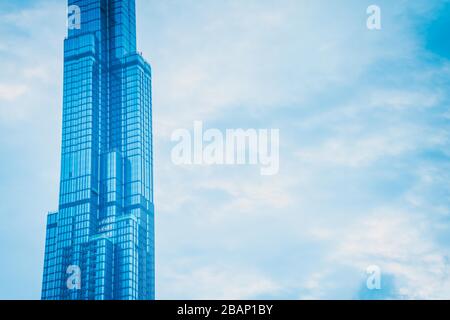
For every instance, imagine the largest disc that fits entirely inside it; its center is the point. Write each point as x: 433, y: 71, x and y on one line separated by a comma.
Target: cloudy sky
x: 364, y: 147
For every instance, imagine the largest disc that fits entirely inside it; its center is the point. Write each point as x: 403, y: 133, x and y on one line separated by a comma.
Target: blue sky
x: 364, y: 168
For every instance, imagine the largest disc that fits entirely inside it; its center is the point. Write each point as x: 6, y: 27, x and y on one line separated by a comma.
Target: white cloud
x: 10, y: 92
x: 254, y: 56
x: 30, y: 122
x: 358, y: 153
x: 401, y: 243
x: 214, y: 282
x: 12, y: 106
x: 357, y: 135
x: 405, y: 99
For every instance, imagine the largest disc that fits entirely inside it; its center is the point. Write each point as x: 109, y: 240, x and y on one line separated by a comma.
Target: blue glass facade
x: 100, y: 243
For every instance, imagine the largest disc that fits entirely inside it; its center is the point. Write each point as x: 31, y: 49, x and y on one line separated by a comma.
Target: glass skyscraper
x: 100, y: 243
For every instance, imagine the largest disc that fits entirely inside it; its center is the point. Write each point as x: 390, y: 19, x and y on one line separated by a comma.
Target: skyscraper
x: 100, y: 243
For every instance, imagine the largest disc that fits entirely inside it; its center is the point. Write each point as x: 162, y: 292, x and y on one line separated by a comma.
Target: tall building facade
x: 100, y: 242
